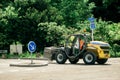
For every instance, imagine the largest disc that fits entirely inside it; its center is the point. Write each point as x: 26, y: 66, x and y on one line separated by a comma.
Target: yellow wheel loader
x: 74, y: 49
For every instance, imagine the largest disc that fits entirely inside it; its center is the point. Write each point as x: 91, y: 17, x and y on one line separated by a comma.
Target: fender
x: 98, y: 51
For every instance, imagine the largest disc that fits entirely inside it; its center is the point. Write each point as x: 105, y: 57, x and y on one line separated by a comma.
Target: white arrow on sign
x: 32, y: 46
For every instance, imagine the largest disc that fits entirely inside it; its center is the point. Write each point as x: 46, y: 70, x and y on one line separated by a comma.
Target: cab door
x: 72, y: 46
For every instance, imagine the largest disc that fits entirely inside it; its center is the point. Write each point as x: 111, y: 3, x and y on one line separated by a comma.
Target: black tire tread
x: 101, y: 61
x: 73, y: 61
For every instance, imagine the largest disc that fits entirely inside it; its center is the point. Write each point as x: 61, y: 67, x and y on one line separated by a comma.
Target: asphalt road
x: 80, y: 71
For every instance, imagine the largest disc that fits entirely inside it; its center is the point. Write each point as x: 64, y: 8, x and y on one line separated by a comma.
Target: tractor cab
x: 75, y: 45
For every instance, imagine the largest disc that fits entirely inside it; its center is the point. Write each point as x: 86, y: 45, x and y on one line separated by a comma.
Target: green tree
x: 8, y: 15
x: 74, y: 11
x: 51, y: 34
x: 41, y: 20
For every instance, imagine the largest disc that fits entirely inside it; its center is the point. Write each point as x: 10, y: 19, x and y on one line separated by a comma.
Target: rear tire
x: 101, y: 61
x: 73, y: 61
x: 60, y: 57
x: 89, y: 58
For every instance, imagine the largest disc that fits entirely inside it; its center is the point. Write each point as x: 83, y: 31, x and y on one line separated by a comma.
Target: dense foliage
x: 39, y: 20
x: 47, y: 22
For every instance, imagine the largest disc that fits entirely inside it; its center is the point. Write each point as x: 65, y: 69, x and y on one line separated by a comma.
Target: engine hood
x: 100, y: 43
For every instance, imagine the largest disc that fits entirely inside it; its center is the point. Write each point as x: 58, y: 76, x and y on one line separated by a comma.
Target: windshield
x: 69, y: 41
x: 88, y: 39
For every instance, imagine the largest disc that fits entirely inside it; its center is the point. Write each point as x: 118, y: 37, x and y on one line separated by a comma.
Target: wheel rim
x: 60, y: 57
x: 89, y: 58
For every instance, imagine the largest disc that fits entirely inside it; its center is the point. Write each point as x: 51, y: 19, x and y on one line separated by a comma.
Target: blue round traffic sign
x: 31, y: 46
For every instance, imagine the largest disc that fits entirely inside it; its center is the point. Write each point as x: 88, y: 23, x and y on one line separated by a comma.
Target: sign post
x: 92, y: 26
x: 92, y: 35
x: 31, y: 48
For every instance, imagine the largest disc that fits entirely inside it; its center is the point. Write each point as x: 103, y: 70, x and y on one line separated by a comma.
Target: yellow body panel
x: 98, y: 51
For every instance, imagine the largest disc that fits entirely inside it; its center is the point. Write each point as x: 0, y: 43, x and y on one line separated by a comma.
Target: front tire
x: 89, y: 58
x: 101, y: 61
x: 61, y: 57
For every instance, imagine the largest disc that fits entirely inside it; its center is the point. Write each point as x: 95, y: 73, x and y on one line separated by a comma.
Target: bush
x: 51, y: 34
x: 115, y: 50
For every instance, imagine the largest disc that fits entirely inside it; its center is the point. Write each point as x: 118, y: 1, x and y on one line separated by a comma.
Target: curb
x: 29, y: 65
x: 27, y: 58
